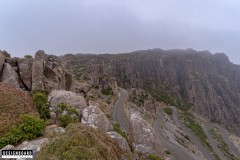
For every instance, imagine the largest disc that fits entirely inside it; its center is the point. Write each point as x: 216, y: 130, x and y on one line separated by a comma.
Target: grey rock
x: 81, y: 87
x: 145, y: 139
x: 120, y: 140
x: 94, y: 117
x: 10, y: 76
x: 34, y: 145
x: 25, y: 71
x: 70, y: 98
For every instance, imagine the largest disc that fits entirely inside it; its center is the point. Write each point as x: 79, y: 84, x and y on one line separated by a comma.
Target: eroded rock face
x: 81, y: 88
x: 120, y: 140
x: 144, y: 137
x: 70, y: 98
x: 94, y: 117
x: 10, y: 76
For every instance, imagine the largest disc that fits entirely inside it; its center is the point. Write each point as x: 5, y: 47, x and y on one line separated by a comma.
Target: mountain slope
x: 209, y: 83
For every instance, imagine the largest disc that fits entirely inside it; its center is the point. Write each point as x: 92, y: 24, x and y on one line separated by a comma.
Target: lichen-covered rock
x: 94, y: 117
x: 10, y: 76
x: 120, y: 140
x: 144, y: 137
x: 70, y: 98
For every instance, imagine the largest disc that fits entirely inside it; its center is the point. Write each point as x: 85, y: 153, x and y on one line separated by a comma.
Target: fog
x: 117, y: 26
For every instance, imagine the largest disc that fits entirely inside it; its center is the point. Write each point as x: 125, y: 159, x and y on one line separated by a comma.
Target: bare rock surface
x: 25, y: 71
x: 120, y: 140
x: 144, y: 136
x: 70, y: 98
x: 10, y: 76
x: 94, y: 117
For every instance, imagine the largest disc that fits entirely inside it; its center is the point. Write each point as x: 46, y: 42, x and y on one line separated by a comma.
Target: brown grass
x: 13, y: 103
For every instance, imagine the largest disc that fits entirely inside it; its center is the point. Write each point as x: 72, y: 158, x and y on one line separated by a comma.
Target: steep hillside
x: 208, y: 83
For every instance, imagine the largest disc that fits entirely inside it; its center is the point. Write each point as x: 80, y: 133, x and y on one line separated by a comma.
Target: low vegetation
x: 28, y: 56
x: 13, y: 103
x: 66, y: 114
x: 29, y: 127
x: 168, y: 110
x: 107, y: 91
x: 221, y: 144
x: 80, y: 142
x: 41, y: 101
x: 153, y: 157
x: 197, y: 129
x: 162, y: 96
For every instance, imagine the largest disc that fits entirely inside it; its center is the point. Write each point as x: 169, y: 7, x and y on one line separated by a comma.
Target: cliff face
x: 209, y: 83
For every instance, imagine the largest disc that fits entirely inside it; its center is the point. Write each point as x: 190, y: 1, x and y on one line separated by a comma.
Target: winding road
x: 178, y: 152
x: 119, y: 114
x: 212, y: 141
x: 206, y: 153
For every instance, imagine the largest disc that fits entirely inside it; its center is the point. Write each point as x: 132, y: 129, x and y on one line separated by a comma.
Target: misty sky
x: 116, y: 26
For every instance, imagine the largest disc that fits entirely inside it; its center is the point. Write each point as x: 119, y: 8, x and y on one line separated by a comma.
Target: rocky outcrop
x: 81, y: 88
x: 120, y: 140
x: 43, y: 72
x: 144, y: 137
x: 95, y: 118
x: 70, y: 98
x: 10, y: 76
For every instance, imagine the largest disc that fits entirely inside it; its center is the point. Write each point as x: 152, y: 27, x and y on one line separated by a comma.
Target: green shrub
x: 66, y: 114
x: 167, y: 152
x: 41, y: 101
x: 28, y: 128
x: 28, y: 56
x: 168, y: 110
x: 153, y: 157
x: 31, y: 127
x: 107, y: 91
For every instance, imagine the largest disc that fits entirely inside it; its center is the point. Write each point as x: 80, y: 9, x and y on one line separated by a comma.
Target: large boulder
x: 10, y: 76
x: 120, y: 140
x: 70, y: 98
x: 25, y: 72
x: 94, y: 117
x: 145, y: 139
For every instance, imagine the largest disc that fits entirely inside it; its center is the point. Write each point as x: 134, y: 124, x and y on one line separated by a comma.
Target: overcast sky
x: 115, y: 26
